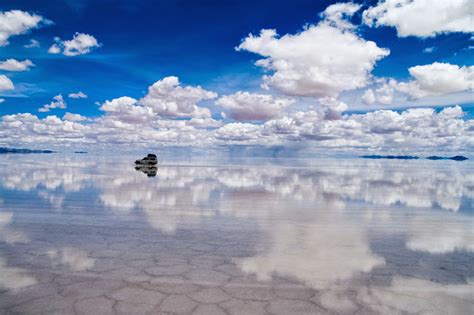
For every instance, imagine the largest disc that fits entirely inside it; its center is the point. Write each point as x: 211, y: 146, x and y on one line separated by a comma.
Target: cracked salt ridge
x: 224, y: 253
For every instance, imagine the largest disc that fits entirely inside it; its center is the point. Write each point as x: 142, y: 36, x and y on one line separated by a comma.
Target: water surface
x: 90, y: 235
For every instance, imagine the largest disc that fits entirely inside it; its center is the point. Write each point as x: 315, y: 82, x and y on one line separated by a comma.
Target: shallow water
x: 81, y: 234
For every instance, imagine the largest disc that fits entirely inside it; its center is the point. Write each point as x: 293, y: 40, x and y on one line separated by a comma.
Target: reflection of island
x: 150, y: 171
x: 22, y: 151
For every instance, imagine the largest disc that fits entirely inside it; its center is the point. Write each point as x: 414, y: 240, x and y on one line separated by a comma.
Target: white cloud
x: 368, y: 97
x: 32, y: 44
x: 385, y: 93
x: 152, y: 120
x: 15, y: 65
x: 58, y: 102
x: 247, y: 106
x: 437, y: 79
x: 126, y: 121
x: 168, y: 99
x: 414, y: 129
x: 334, y: 107
x: 429, y: 50
x: 338, y: 14
x: 73, y: 117
x: 422, y: 18
x: 18, y: 22
x: 54, y: 49
x: 5, y: 83
x: 80, y: 44
x: 204, y: 123
x: 322, y: 60
x: 126, y: 109
x: 2, y: 100
x: 238, y: 132
x: 77, y: 95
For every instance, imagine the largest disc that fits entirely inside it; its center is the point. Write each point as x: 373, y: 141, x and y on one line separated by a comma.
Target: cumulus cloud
x: 16, y: 22
x: 80, y: 44
x: 334, y: 107
x: 54, y: 49
x: 171, y: 114
x: 5, y: 83
x: 247, y: 106
x: 338, y: 14
x: 126, y: 121
x: 383, y: 94
x: 57, y: 102
x: 32, y: 44
x: 368, y: 97
x: 16, y: 65
x: 168, y: 98
x: 422, y: 18
x: 437, y: 79
x: 73, y: 117
x: 77, y: 95
x: 238, y: 132
x: 382, y: 129
x: 126, y: 109
x: 322, y: 60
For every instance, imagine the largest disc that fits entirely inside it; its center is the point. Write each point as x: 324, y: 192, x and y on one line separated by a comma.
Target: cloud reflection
x: 315, y: 222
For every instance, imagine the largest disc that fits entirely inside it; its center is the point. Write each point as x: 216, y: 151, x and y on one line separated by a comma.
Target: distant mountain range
x: 22, y: 151
x: 414, y: 157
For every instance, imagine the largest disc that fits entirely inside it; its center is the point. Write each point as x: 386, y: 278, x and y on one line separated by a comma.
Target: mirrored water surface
x: 94, y: 235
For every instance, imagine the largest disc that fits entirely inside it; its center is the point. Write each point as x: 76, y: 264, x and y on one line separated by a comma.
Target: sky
x: 394, y: 75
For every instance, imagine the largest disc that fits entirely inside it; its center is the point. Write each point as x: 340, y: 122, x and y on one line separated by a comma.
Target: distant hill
x: 455, y: 158
x: 413, y: 157
x: 391, y: 157
x: 22, y: 151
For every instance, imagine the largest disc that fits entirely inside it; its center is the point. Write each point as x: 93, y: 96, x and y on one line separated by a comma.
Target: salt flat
x: 92, y: 235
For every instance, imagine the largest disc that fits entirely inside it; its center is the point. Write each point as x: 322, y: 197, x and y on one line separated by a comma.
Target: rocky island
x: 4, y: 150
x: 414, y: 157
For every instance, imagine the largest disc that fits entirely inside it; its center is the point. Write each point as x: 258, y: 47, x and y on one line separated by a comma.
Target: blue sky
x: 141, y: 42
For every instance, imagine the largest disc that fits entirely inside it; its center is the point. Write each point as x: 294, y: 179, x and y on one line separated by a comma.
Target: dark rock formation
x: 22, y: 151
x: 391, y: 157
x: 454, y: 158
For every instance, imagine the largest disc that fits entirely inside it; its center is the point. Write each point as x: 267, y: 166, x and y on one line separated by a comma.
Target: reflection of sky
x: 316, y: 223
